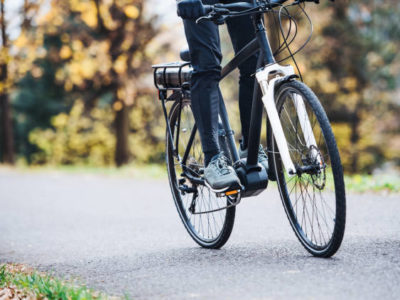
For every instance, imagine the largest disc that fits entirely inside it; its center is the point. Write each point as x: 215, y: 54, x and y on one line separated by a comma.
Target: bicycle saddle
x: 185, y: 55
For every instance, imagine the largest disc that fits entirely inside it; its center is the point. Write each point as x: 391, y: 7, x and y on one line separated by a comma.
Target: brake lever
x: 208, y: 17
x: 216, y: 18
x: 216, y: 15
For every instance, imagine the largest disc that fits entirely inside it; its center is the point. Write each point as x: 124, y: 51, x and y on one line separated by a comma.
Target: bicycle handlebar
x: 218, y: 11
x: 236, y: 7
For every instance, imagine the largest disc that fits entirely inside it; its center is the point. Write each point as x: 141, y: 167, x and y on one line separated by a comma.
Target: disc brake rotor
x: 318, y: 179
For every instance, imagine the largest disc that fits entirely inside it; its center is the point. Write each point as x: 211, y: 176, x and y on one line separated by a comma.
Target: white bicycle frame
x: 267, y: 79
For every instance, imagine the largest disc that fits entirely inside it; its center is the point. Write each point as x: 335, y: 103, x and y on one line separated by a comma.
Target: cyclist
x: 205, y: 51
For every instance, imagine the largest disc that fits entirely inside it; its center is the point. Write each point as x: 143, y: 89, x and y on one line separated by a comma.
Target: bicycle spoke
x: 206, y: 226
x: 291, y: 123
x: 309, y: 198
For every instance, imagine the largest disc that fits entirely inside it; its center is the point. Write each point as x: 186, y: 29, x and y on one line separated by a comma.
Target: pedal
x: 231, y: 193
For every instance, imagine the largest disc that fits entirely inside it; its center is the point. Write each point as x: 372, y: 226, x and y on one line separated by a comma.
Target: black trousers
x: 205, y: 50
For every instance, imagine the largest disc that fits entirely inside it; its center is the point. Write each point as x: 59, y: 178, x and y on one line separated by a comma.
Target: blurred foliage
x: 377, y: 183
x: 94, y: 51
x: 76, y: 139
x: 82, y: 92
x: 354, y: 66
x: 80, y: 138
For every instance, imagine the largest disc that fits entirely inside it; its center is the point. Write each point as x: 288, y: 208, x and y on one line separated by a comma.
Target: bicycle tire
x: 328, y: 154
x: 189, y: 221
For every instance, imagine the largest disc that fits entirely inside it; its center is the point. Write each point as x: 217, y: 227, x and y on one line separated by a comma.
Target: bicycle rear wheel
x: 315, y: 200
x: 205, y: 219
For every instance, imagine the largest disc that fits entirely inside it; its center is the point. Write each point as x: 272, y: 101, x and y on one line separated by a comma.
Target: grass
x: 354, y: 183
x: 373, y: 183
x: 23, y: 282
x: 135, y: 171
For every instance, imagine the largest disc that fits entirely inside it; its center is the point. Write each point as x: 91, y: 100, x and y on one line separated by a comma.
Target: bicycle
x: 302, y: 151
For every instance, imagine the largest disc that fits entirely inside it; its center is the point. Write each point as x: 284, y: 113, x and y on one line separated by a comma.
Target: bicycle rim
x: 315, y: 202
x: 210, y: 230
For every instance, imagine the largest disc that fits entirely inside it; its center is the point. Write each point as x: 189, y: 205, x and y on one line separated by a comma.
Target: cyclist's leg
x: 241, y: 31
x: 206, y: 56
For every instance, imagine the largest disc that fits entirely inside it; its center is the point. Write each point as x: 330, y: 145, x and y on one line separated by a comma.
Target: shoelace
x: 261, y: 153
x: 221, y: 165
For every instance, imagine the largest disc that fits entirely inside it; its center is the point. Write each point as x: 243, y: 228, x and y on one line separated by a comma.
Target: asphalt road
x: 120, y: 235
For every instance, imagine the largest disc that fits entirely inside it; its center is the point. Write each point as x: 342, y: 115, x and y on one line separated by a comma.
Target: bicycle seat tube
x: 266, y: 57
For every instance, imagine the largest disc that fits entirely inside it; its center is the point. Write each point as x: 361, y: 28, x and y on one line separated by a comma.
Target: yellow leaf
x: 132, y: 11
x: 117, y: 106
x: 60, y: 120
x: 60, y: 76
x: 350, y: 83
x: 88, y: 69
x: 65, y: 52
x: 77, y: 45
x: 120, y: 64
x: 89, y: 16
x: 68, y: 86
x: 21, y: 41
x: 36, y: 72
x: 121, y: 94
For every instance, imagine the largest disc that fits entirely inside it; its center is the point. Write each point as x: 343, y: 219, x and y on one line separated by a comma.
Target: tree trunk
x: 355, y: 138
x: 354, y: 143
x: 122, y: 135
x: 25, y: 18
x: 7, y: 142
x: 100, y: 23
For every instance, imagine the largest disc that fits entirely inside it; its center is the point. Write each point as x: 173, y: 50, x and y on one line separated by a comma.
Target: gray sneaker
x: 262, y: 156
x: 220, y: 176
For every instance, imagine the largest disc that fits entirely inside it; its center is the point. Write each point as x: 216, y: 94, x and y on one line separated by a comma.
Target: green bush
x: 77, y: 138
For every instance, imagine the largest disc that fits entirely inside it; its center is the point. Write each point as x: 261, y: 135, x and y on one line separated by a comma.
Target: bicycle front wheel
x: 314, y: 200
x: 203, y: 214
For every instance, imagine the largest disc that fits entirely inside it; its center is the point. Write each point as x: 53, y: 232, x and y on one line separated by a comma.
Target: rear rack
x: 162, y: 77
x: 171, y: 77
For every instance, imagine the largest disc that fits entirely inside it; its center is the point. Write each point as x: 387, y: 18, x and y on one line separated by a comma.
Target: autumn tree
x: 127, y: 34
x: 352, y: 67
x: 39, y: 97
x: 94, y: 51
x: 107, y: 57
x: 83, y: 91
x: 7, y: 139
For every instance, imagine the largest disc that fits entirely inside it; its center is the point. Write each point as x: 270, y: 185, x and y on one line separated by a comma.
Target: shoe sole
x: 229, y: 188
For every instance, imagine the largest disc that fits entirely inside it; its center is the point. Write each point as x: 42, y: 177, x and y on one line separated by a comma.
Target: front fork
x: 267, y: 79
